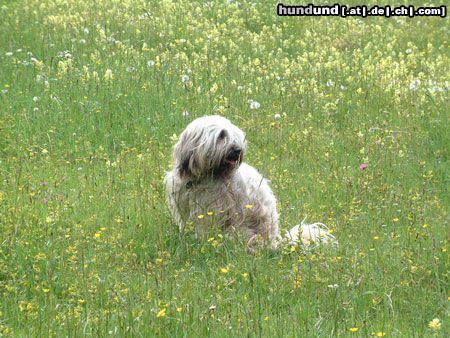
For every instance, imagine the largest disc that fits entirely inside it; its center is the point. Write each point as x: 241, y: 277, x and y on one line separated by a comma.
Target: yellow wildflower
x: 435, y: 324
x: 161, y: 313
x: 108, y: 75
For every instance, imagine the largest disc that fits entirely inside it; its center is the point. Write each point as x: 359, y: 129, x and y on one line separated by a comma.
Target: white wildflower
x: 254, y: 104
x: 414, y: 85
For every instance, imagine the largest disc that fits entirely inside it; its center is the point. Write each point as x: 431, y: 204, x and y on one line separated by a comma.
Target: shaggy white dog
x: 210, y: 185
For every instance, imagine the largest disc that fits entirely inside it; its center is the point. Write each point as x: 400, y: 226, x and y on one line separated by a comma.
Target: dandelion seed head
x: 185, y: 78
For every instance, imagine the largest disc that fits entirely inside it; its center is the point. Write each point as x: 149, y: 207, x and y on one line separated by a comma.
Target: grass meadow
x: 92, y: 97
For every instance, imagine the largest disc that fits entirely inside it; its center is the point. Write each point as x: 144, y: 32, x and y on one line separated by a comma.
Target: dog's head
x: 210, y: 146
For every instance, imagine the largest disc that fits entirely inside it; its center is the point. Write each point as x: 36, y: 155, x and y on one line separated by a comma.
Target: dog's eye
x: 222, y: 135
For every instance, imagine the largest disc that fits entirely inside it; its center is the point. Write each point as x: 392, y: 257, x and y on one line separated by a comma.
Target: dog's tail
x: 310, y: 234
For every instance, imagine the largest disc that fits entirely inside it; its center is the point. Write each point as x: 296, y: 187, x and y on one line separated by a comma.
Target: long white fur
x: 240, y: 199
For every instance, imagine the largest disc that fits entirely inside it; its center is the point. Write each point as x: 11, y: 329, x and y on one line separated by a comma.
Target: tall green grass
x: 87, y: 245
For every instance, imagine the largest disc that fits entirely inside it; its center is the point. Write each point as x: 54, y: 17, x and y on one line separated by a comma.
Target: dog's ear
x: 223, y: 133
x: 182, y: 157
x: 184, y: 164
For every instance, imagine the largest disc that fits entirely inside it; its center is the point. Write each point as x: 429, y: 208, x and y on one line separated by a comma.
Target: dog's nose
x: 236, y: 151
x: 234, y: 154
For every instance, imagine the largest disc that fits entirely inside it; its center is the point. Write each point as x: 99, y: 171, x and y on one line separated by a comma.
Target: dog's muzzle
x: 234, y: 155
